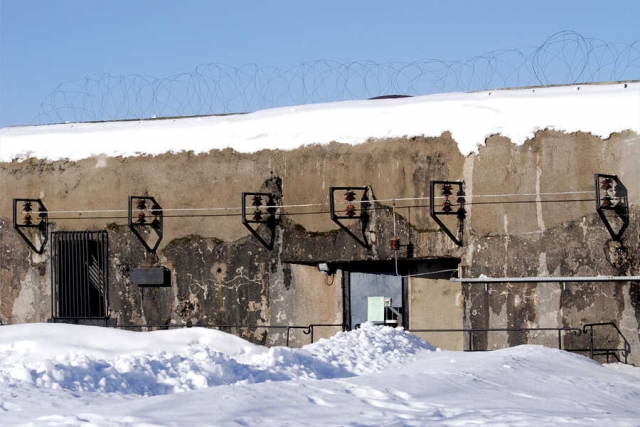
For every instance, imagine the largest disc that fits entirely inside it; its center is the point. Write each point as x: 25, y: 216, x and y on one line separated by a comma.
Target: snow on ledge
x: 599, y: 109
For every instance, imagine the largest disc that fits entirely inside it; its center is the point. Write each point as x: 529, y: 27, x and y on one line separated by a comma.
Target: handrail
x: 625, y: 351
x: 470, y: 331
x: 306, y: 329
x: 309, y: 330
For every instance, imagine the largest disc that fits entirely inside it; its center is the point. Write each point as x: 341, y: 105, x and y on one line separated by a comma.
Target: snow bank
x: 64, y: 375
x: 91, y: 359
x: 600, y: 109
x: 368, y: 349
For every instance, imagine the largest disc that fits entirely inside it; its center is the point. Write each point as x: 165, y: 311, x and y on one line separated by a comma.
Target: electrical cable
x: 289, y: 214
x: 304, y: 205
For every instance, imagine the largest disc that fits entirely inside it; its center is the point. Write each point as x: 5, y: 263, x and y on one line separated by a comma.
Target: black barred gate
x: 79, y: 276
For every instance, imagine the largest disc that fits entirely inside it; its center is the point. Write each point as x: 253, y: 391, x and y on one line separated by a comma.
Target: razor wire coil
x: 564, y: 58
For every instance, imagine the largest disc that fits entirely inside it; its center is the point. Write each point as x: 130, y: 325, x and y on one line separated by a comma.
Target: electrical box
x: 375, y: 309
x: 381, y: 310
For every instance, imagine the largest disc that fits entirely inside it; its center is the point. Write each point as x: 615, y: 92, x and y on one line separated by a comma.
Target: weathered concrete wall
x: 555, y: 235
x: 220, y: 273
x: 530, y: 212
x: 437, y: 304
x: 25, y: 285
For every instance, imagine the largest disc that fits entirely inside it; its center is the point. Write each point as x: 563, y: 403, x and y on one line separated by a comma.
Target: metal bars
x: 79, y: 275
x: 607, y: 351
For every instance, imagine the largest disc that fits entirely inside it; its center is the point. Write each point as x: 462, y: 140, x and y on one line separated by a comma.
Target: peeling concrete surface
x: 530, y: 211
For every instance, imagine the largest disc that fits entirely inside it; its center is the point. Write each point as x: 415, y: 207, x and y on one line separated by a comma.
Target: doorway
x: 376, y: 297
x: 79, y: 275
x: 368, y: 285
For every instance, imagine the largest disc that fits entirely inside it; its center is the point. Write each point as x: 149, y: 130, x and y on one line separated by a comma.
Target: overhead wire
x: 306, y: 205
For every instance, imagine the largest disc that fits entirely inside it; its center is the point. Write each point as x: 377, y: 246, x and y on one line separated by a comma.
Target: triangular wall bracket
x: 449, y: 190
x: 259, y: 216
x: 34, y: 232
x: 354, y: 210
x: 149, y: 219
x: 612, y: 204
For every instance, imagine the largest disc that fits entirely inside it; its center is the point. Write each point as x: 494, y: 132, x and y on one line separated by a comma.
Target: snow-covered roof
x: 599, y: 109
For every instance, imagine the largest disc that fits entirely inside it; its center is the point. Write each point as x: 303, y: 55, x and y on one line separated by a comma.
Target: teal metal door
x: 365, y: 286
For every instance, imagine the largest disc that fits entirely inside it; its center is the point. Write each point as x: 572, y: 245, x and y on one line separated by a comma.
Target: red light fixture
x: 141, y: 205
x: 394, y: 244
x: 350, y: 195
x: 350, y: 211
x: 141, y: 218
x: 257, y: 200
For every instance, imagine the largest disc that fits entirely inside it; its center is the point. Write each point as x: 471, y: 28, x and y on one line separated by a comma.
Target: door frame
x: 80, y: 276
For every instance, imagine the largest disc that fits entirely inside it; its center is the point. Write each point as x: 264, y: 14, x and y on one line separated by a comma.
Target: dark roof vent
x: 390, y: 97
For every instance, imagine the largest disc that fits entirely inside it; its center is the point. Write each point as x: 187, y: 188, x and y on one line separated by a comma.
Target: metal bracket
x: 260, y: 216
x: 351, y: 211
x: 146, y: 207
x: 29, y: 226
x: 448, y: 207
x: 611, y: 196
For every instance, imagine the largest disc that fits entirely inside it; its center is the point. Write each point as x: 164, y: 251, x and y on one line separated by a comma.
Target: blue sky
x: 45, y: 43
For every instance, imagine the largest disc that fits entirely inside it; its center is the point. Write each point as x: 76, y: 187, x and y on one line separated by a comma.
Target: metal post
x: 288, y: 329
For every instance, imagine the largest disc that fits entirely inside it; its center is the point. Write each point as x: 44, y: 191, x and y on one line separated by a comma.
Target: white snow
x: 67, y: 375
x: 599, y: 109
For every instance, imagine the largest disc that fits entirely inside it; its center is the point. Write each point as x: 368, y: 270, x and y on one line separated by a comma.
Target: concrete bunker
x: 530, y: 212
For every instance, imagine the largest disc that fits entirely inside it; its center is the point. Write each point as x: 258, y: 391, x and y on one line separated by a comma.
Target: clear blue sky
x: 44, y: 43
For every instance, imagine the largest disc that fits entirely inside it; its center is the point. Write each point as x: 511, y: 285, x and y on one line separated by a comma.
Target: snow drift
x: 68, y: 375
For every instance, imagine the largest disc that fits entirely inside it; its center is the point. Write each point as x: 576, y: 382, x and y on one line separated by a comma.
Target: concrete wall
x: 530, y: 212
x: 553, y: 236
x: 437, y: 304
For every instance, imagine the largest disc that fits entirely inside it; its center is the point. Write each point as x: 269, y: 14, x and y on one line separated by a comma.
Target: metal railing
x: 593, y: 350
x: 606, y: 351
x: 306, y: 329
x: 471, y: 331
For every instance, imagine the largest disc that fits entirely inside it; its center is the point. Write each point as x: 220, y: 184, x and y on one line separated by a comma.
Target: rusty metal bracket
x: 611, y: 196
x: 351, y: 211
x: 30, y: 229
x: 447, y: 190
x: 260, y: 216
x: 148, y: 219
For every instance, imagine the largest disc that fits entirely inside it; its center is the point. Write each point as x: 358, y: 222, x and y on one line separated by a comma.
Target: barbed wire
x: 564, y: 58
